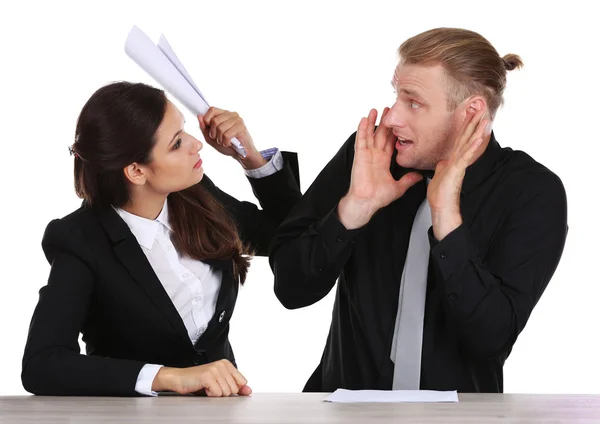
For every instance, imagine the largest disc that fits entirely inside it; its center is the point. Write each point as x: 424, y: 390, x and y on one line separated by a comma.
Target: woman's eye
x: 177, y: 144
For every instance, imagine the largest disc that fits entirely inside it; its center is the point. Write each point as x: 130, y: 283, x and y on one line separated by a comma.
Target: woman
x: 147, y: 270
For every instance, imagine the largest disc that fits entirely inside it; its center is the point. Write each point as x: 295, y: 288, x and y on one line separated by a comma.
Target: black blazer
x: 102, y: 285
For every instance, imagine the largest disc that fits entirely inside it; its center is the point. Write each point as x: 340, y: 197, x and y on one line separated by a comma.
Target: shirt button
x: 186, y: 275
x: 221, y: 316
x: 340, y: 238
x: 452, y: 296
x: 320, y: 268
x: 443, y: 255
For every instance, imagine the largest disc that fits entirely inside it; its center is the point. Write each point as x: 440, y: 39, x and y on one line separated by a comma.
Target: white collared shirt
x: 192, y: 285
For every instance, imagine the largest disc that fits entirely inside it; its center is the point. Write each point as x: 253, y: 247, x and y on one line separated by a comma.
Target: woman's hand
x: 220, y: 126
x: 215, y: 379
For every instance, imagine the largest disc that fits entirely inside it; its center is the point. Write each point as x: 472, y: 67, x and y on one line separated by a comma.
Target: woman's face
x: 175, y: 161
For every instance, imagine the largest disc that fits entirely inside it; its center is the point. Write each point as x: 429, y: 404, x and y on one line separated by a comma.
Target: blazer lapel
x: 133, y: 259
x: 225, y: 302
x: 229, y: 288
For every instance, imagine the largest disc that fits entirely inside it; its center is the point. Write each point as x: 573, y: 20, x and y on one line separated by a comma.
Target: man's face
x: 420, y: 118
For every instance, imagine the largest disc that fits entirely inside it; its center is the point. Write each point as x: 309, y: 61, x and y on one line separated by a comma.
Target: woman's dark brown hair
x: 116, y: 127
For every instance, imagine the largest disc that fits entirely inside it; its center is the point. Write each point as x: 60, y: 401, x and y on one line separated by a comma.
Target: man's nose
x: 395, y: 117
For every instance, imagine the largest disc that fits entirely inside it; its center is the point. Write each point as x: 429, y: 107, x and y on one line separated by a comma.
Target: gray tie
x: 408, y: 333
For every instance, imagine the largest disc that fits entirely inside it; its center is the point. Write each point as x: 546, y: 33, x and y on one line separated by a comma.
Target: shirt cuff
x: 451, y: 256
x: 336, y: 237
x: 274, y: 164
x: 143, y: 385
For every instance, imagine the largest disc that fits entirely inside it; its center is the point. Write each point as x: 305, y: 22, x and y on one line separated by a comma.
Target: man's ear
x: 475, y: 103
x: 135, y: 174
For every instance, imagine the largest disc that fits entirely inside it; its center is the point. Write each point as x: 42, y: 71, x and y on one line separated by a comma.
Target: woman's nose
x: 197, y: 146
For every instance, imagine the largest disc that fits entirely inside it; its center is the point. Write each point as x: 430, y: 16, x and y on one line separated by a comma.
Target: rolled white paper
x: 161, y: 63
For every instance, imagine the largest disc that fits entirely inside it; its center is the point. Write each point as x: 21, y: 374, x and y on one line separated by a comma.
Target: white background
x: 301, y: 74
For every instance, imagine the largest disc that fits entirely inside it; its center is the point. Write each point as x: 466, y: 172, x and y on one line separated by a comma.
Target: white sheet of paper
x: 161, y: 63
x: 168, y: 51
x: 357, y: 396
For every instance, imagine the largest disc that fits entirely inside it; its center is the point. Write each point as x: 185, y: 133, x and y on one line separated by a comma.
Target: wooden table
x: 266, y: 408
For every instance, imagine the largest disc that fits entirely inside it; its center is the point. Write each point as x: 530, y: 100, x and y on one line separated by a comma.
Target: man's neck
x: 479, y: 152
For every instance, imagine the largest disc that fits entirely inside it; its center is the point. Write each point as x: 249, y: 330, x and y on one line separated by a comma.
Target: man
x: 443, y: 241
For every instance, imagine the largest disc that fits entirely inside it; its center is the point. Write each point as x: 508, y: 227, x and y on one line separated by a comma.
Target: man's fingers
x: 371, y: 127
x: 361, y: 134
x: 471, y: 123
x: 381, y: 134
x: 479, y: 132
x: 390, y: 141
x: 406, y: 182
x: 467, y: 158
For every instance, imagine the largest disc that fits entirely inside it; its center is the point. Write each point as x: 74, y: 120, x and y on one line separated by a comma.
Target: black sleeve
x: 52, y: 363
x: 276, y: 193
x: 489, y: 299
x: 312, y: 246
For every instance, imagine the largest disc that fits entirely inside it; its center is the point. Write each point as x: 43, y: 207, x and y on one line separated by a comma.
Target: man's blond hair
x: 472, y: 65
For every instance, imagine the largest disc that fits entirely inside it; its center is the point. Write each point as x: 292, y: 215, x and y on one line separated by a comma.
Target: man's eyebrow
x: 407, y: 91
x: 410, y: 92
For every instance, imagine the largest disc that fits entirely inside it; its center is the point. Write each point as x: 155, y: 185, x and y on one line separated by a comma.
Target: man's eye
x: 414, y: 105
